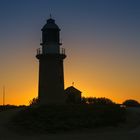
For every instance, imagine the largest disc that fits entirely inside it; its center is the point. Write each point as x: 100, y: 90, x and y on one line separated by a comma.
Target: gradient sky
x: 101, y: 38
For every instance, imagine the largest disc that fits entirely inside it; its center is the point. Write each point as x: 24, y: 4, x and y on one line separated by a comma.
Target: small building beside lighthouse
x: 51, y: 73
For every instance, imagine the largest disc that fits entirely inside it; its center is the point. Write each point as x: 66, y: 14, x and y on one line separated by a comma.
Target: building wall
x: 51, y: 79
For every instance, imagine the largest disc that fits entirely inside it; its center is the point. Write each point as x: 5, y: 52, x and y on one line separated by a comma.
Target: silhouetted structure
x: 73, y: 95
x: 51, y: 56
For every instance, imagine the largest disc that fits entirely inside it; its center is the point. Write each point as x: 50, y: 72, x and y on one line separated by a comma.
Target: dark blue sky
x: 101, y: 18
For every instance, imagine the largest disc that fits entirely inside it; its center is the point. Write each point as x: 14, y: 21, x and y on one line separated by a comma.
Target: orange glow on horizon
x: 98, y: 72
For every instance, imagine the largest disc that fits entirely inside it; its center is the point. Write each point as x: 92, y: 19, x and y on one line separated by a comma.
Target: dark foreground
x: 130, y: 130
x: 59, y: 119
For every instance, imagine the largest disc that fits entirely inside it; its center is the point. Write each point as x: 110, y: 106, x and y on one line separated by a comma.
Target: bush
x: 7, y: 107
x: 52, y: 119
x: 33, y: 102
x: 131, y: 103
x: 97, y: 101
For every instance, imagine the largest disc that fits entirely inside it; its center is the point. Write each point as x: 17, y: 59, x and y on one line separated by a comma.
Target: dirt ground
x: 128, y: 131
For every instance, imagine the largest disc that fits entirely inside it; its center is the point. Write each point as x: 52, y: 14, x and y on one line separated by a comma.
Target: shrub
x: 50, y: 119
x: 33, y: 102
x: 97, y: 101
x: 131, y: 103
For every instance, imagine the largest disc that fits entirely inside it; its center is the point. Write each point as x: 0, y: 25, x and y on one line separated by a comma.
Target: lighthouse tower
x: 51, y: 75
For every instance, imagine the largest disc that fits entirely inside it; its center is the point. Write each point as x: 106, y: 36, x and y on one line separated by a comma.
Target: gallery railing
x: 40, y: 51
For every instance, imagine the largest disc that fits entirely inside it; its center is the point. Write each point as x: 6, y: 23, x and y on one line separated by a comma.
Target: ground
x: 128, y: 131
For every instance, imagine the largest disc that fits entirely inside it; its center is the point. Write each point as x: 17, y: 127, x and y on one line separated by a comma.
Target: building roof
x: 72, y: 89
x: 50, y: 25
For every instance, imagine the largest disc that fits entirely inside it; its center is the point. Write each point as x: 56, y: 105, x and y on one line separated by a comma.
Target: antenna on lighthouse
x: 50, y: 15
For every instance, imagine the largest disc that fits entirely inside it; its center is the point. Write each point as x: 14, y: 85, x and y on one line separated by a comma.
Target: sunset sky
x: 101, y: 38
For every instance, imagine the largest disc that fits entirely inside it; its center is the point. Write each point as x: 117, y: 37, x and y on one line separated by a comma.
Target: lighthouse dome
x: 50, y: 25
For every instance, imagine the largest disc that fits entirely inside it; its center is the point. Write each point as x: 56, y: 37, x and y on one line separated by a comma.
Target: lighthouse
x: 51, y: 73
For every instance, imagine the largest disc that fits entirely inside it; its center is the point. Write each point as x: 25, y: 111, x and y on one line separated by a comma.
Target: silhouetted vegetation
x: 97, y: 101
x: 7, y: 107
x: 33, y: 102
x: 131, y: 103
x: 52, y: 119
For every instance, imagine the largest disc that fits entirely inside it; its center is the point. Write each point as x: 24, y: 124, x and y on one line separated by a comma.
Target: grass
x: 7, y: 107
x: 53, y: 119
